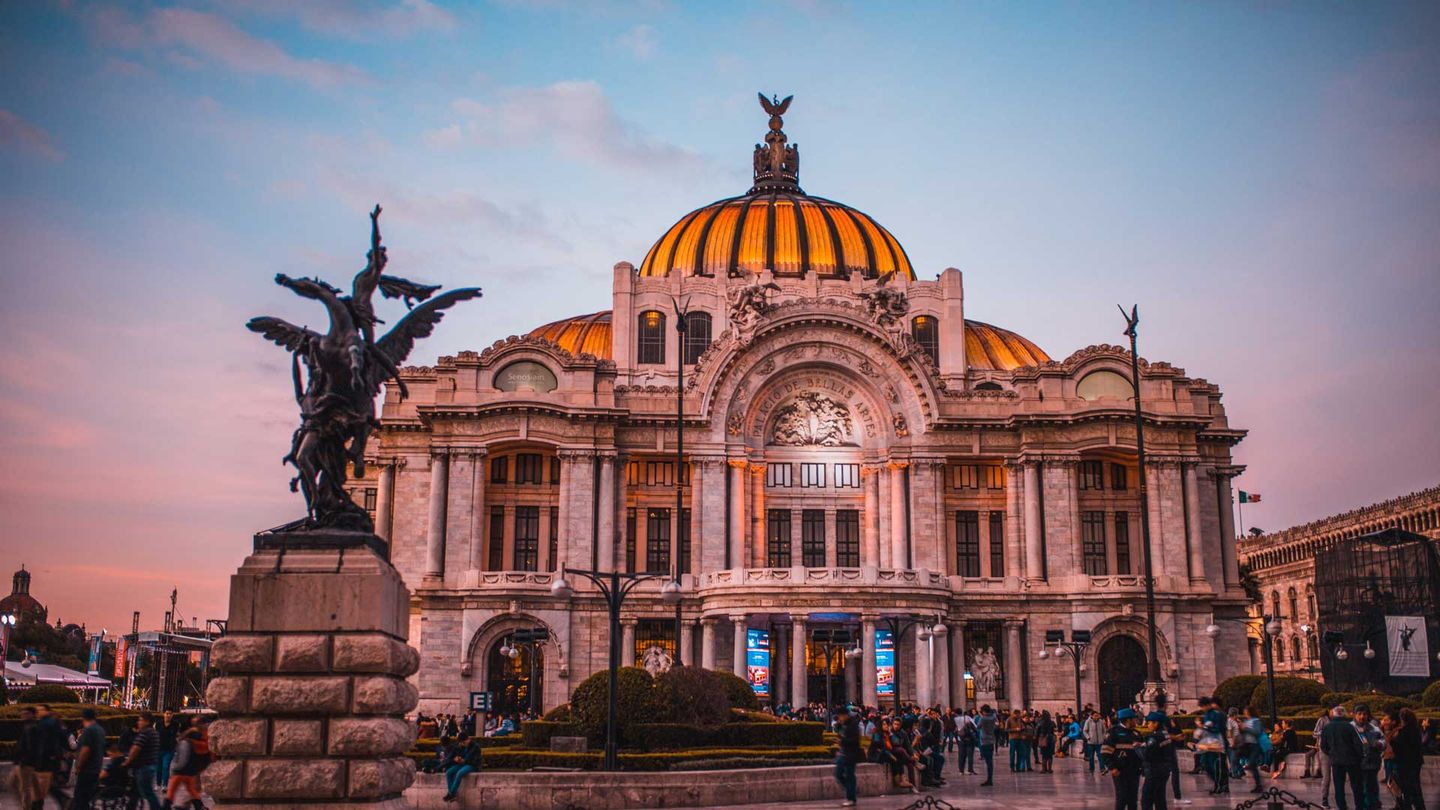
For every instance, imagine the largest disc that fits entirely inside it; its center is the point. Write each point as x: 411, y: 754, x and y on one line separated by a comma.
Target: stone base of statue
x: 312, y: 697
x: 1152, y: 697
x: 986, y: 699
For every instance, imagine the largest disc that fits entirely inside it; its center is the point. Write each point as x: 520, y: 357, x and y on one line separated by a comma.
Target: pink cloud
x: 353, y: 19
x: 17, y: 133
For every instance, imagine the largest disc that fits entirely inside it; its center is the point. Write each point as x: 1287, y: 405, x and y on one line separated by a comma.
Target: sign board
x: 1409, y: 646
x: 122, y: 651
x: 94, y: 667
x: 757, y: 661
x: 482, y: 701
x: 884, y: 663
x: 526, y: 375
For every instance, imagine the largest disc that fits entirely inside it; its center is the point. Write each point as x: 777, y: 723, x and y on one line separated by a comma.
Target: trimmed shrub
x: 684, y: 736
x: 738, y: 691
x: 1295, y: 713
x: 520, y: 760
x: 1288, y: 692
x: 115, y: 721
x: 537, y: 733
x: 752, y: 716
x: 691, y: 695
x: 1430, y: 698
x: 1236, y: 691
x: 559, y: 714
x: 1333, y: 699
x: 635, y: 700
x: 1379, y: 703
x: 48, y: 693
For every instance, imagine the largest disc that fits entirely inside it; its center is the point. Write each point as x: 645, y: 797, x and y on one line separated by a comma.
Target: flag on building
x: 1249, y: 497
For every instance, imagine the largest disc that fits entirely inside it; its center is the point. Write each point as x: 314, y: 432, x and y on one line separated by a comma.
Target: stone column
x: 707, y: 530
x: 927, y: 534
x: 739, y: 483
x: 1076, y: 544
x: 707, y: 643
x: 898, y: 556
x: 924, y: 671
x: 460, y: 514
x: 627, y: 642
x: 799, y: 682
x: 313, y: 696
x: 687, y: 641
x: 385, y: 498
x: 435, y: 533
x: 479, y: 516
x: 606, y: 534
x: 779, y: 675
x: 1034, y: 562
x: 867, y: 666
x: 738, y: 645
x: 957, y: 665
x: 577, y: 482
x: 940, y: 687
x: 1227, y: 528
x: 757, y: 516
x: 622, y: 497
x: 1014, y: 664
x: 871, y: 552
x: 1194, y: 537
x: 1014, y: 535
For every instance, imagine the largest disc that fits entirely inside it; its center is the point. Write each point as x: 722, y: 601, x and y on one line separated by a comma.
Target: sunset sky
x: 1264, y: 179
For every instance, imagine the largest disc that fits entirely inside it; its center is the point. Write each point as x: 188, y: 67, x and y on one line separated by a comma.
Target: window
x: 684, y: 550
x: 1294, y: 600
x: 652, y: 633
x: 555, y: 469
x: 997, y: 544
x: 967, y: 543
x: 847, y: 475
x: 994, y: 476
x: 630, y: 539
x: 554, y: 537
x: 496, y: 559
x: 777, y: 538
x: 926, y: 331
x: 989, y: 386
x: 1310, y: 604
x: 1092, y: 475
x: 965, y: 476
x: 697, y: 336
x: 1312, y: 646
x: 650, y: 338
x: 654, y: 473
x: 1122, y: 542
x: 1092, y: 543
x: 371, y: 497
x: 527, y: 538
x: 657, y: 541
x: 812, y: 475
x: 1275, y: 604
x: 499, y: 469
x: 1119, y: 477
x: 812, y: 538
x: 777, y: 475
x: 1279, y: 651
x: 1295, y: 649
x: 1104, y: 385
x: 847, y: 538
x: 528, y: 468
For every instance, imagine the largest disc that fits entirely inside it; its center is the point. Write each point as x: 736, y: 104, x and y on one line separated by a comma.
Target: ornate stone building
x: 1283, y: 563
x: 855, y: 450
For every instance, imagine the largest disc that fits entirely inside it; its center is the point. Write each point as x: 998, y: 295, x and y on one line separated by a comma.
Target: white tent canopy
x: 17, y: 675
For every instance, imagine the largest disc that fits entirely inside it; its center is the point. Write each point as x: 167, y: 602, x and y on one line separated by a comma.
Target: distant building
x: 20, y: 603
x: 1284, y: 564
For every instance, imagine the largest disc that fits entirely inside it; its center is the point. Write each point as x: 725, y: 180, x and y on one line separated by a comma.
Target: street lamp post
x: 1075, y: 648
x: 7, y: 623
x: 831, y: 642
x: 1269, y: 630
x: 1155, y: 685
x: 897, y: 625
x: 682, y: 310
x: 528, y: 640
x: 614, y: 587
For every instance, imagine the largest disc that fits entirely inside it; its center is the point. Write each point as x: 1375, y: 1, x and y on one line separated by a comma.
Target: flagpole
x: 1240, y: 508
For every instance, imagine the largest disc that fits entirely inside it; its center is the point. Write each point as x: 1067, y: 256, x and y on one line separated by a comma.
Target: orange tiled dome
x: 986, y: 347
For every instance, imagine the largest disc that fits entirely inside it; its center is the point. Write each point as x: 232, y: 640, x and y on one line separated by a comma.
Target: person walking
x: 1120, y: 753
x: 1092, y: 733
x: 1045, y: 742
x: 143, y: 757
x: 169, y: 729
x: 1341, y: 743
x: 1407, y: 744
x: 50, y: 747
x: 1250, y: 753
x: 849, y: 754
x: 985, y: 727
x: 965, y: 730
x: 89, y: 757
x: 192, y: 756
x: 1372, y: 748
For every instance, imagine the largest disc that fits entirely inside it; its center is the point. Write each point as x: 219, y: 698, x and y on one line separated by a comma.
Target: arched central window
x: 1294, y: 601
x: 650, y: 338
x: 697, y: 336
x: 926, y: 331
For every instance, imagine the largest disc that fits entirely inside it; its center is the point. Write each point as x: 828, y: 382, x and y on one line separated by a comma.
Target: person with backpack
x: 192, y: 756
x: 965, y: 730
x: 1372, y: 747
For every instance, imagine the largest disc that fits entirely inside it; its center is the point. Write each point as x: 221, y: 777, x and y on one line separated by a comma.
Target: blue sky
x: 1264, y: 179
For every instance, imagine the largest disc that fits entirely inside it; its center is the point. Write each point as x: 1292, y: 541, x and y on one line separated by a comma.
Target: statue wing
x: 766, y: 105
x: 282, y: 333
x: 395, y: 287
x: 784, y: 105
x: 398, y: 342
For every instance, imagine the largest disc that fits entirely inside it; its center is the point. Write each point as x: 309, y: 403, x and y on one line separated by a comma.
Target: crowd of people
x: 155, y: 754
x: 448, y: 726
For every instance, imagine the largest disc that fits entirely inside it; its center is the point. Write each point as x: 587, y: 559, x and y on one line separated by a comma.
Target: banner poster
x: 94, y: 668
x: 1409, y: 646
x: 757, y: 660
x: 121, y: 650
x: 884, y: 663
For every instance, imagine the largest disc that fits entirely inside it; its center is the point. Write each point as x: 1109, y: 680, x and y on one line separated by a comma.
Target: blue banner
x: 884, y: 663
x: 757, y: 661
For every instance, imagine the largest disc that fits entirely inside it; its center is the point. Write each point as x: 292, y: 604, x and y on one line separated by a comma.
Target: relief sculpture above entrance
x: 813, y: 420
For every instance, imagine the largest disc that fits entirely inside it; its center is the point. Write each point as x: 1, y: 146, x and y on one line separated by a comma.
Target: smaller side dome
x: 991, y: 348
x: 582, y: 334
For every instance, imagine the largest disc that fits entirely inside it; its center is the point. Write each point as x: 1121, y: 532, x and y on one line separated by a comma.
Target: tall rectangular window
x: 651, y: 633
x: 812, y: 475
x: 555, y: 469
x: 650, y: 338
x: 926, y: 331
x: 967, y: 543
x: 1119, y: 477
x: 777, y: 538
x: 499, y: 469
x: 684, y: 543
x: 812, y: 538
x: 997, y: 544
x: 527, y: 538
x: 777, y: 474
x: 630, y: 530
x: 847, y: 475
x: 1092, y: 475
x: 372, y: 497
x: 995, y: 476
x: 697, y: 336
x: 1122, y: 542
x: 554, y: 537
x: 965, y: 476
x: 847, y: 538
x: 657, y: 541
x: 1092, y: 543
x: 495, y: 560
x: 528, y: 468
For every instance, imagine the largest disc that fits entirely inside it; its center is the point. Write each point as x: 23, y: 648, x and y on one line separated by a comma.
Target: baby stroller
x: 117, y: 789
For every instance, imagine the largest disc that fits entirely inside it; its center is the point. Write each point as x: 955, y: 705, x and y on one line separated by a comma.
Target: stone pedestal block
x: 312, y: 691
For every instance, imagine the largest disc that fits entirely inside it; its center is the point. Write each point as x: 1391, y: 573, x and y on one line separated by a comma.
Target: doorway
x: 1121, y: 661
x: 518, y: 681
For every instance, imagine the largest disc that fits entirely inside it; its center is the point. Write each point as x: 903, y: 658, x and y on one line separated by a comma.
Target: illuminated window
x: 697, y: 336
x: 847, y: 475
x: 652, y: 633
x: 812, y: 475
x: 650, y: 338
x: 812, y: 538
x: 777, y: 475
x: 994, y: 476
x: 847, y: 538
x: 1122, y: 542
x: 926, y: 331
x: 965, y: 476
x: 967, y: 543
x: 527, y: 538
x: 1092, y: 475
x: 997, y: 544
x: 554, y: 537
x: 499, y: 469
x: 777, y: 538
x: 657, y: 541
x: 528, y: 468
x: 1092, y: 543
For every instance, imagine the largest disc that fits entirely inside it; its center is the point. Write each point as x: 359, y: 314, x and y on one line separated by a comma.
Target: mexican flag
x: 1249, y: 497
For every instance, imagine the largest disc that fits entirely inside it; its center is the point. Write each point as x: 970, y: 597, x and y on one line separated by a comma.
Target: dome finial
x: 777, y: 165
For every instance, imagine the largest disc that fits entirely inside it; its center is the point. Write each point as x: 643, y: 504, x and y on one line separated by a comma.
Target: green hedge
x: 1333, y: 699
x: 673, y: 736
x: 48, y: 693
x: 115, y: 721
x: 537, y: 733
x: 427, y: 745
x: 1430, y: 698
x: 1288, y: 692
x: 691, y: 695
x: 635, y: 698
x: 738, y: 691
x: 1379, y: 704
x: 1236, y: 691
x: 526, y: 759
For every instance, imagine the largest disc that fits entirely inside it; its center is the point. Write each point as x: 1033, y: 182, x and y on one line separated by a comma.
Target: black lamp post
x: 897, y: 625
x: 1075, y: 648
x: 1132, y: 323
x: 614, y: 586
x: 529, y: 640
x: 1269, y: 630
x: 682, y: 310
x: 832, y: 641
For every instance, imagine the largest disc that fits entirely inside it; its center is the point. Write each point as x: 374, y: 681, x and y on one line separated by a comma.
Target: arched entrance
x: 1121, y: 661
x: 518, y: 680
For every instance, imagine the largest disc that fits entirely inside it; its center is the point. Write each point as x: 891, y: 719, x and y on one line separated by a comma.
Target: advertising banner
x: 121, y: 651
x: 1409, y: 646
x: 884, y: 663
x: 757, y: 660
x: 94, y: 668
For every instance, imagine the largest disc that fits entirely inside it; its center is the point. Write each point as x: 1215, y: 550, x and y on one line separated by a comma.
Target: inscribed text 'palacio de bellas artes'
x: 855, y: 450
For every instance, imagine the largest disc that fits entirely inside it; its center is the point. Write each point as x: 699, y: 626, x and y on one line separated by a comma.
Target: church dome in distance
x: 777, y: 226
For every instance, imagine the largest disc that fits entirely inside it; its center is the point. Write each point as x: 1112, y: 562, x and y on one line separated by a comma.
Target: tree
x: 1251, y: 584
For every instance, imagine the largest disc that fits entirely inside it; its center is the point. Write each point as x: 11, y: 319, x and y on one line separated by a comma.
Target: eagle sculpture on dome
x: 775, y: 106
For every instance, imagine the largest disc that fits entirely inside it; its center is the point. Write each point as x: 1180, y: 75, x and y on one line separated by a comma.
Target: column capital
x: 707, y: 462
x: 799, y: 618
x: 741, y: 464
x: 897, y: 464
x: 709, y: 621
x: 630, y: 622
x: 576, y: 454
x: 439, y: 452
x: 870, y: 468
x: 1163, y: 462
x: 869, y: 618
x: 1014, y: 624
x: 739, y: 619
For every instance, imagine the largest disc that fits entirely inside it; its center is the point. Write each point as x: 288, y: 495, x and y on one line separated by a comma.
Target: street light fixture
x: 1270, y: 626
x: 1075, y: 648
x: 897, y: 625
